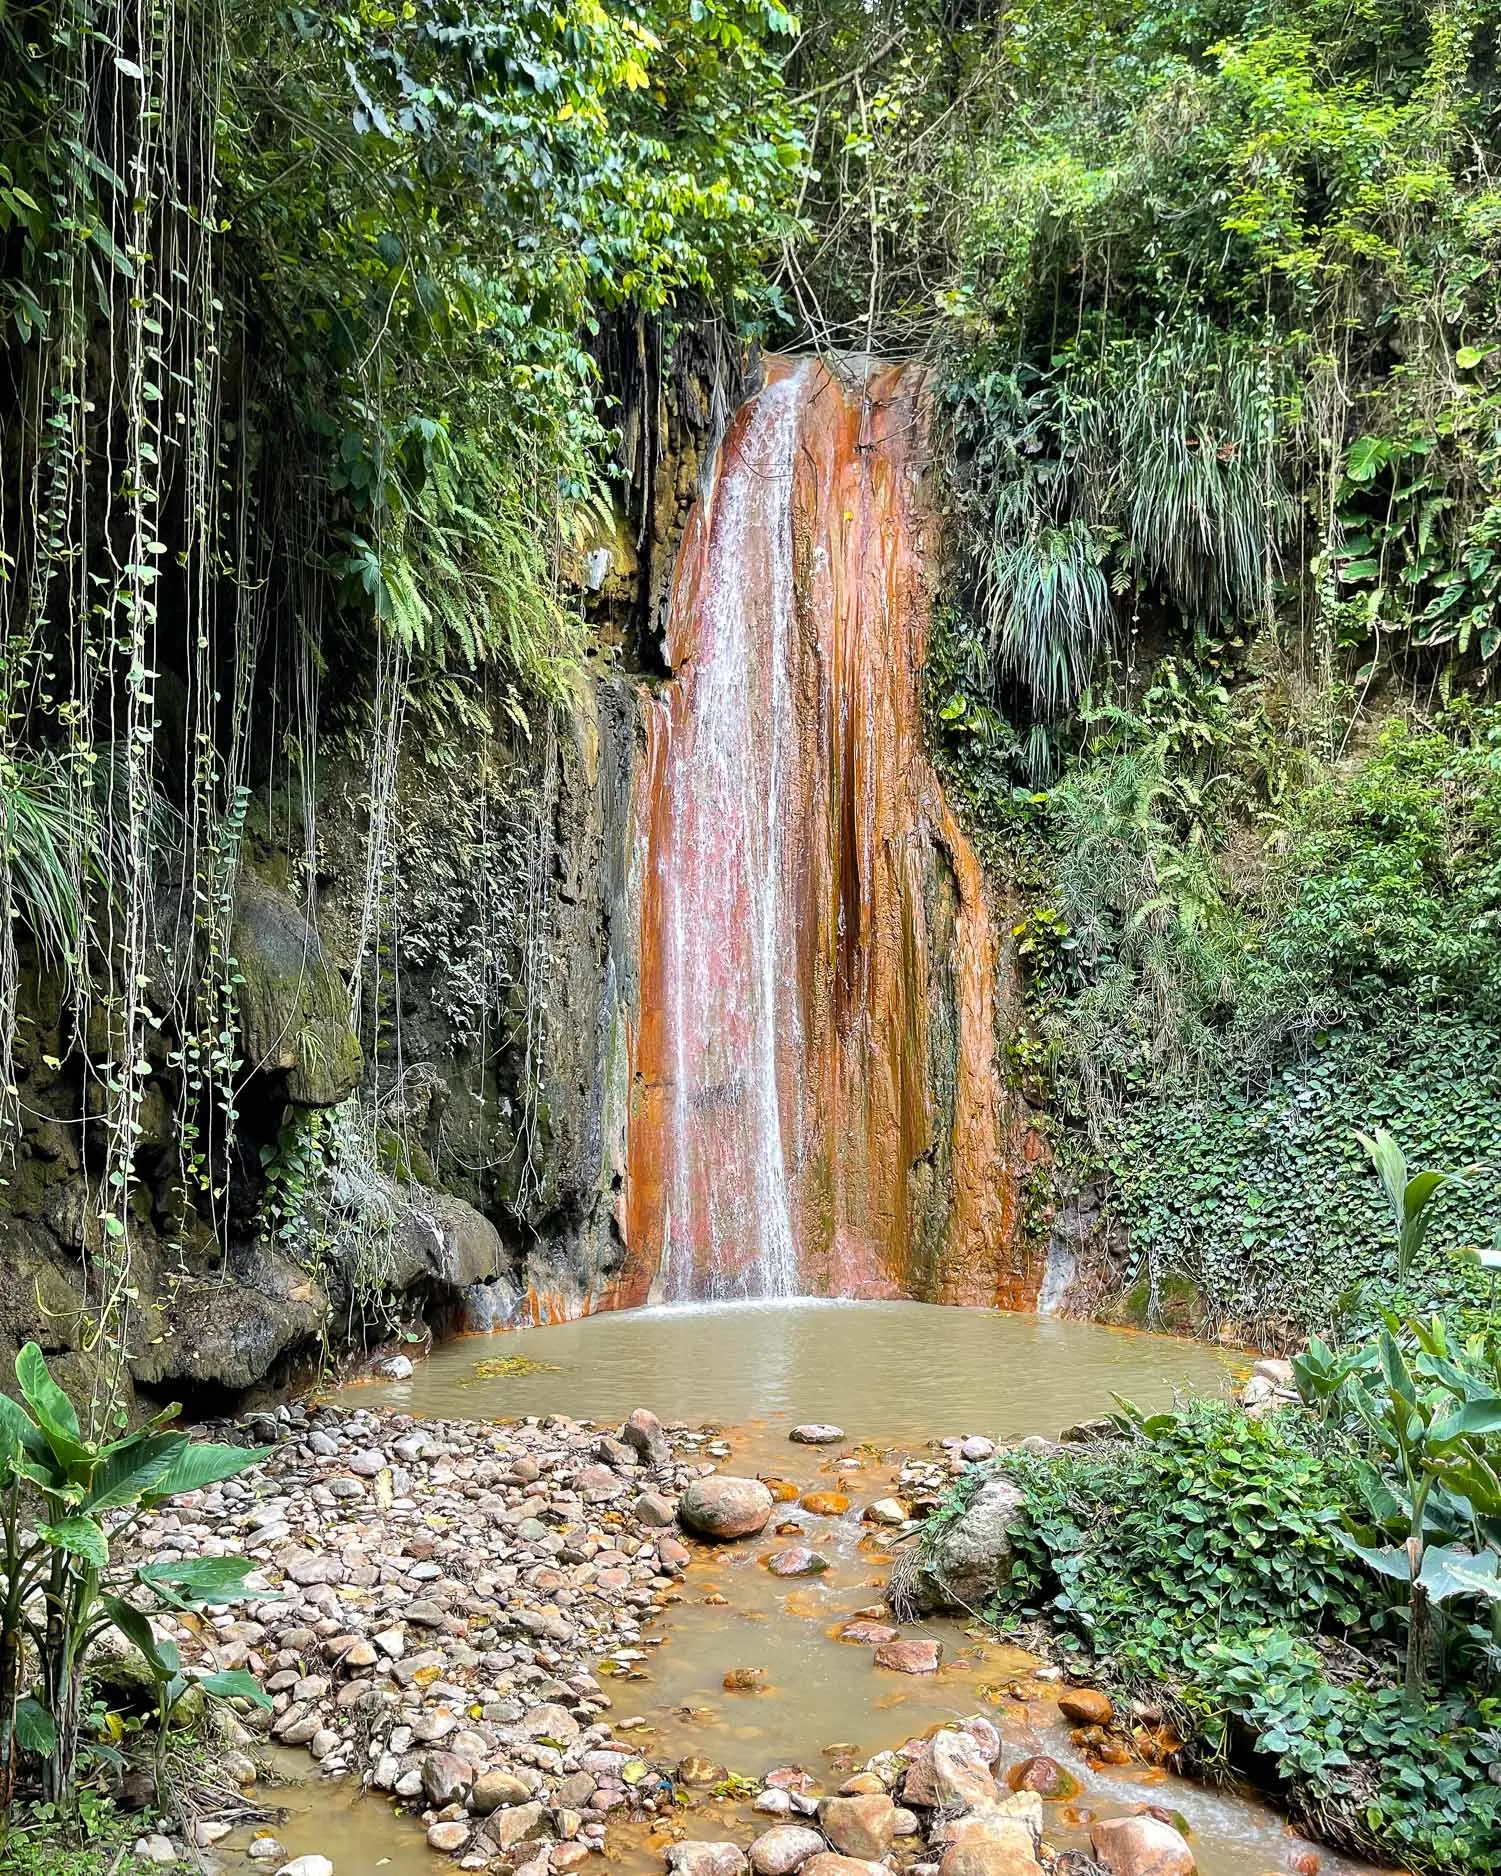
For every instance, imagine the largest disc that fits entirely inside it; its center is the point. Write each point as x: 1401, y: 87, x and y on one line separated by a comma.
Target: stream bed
x: 895, y: 1377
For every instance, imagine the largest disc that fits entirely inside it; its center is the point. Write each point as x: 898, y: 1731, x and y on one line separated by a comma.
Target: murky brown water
x: 894, y: 1376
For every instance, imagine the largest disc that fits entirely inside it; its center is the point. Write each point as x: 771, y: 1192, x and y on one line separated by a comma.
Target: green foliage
x: 65, y: 1496
x: 1411, y: 1200
x: 41, y: 843
x: 435, y: 208
x: 1265, y: 1198
x: 1222, y: 1027
x: 1390, y: 878
x: 1200, y: 1557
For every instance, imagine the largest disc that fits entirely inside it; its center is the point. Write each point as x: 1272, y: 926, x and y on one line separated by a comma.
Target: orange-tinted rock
x: 818, y: 964
x: 799, y: 1560
x: 860, y: 1826
x: 873, y: 1634
x: 1045, y: 1776
x: 910, y: 1657
x: 826, y: 1504
x: 783, y: 1491
x: 1141, y: 1846
x: 1087, y: 1706
x: 745, y: 1680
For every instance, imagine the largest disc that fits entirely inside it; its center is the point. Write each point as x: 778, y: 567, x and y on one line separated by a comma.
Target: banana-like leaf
x: 1450, y: 1571
x: 18, y: 1427
x: 80, y: 1537
x: 133, y: 1468
x: 233, y: 1684
x: 1479, y: 1416
x: 36, y: 1730
x: 136, y: 1628
x: 53, y: 1409
x: 199, y: 1464
x: 199, y: 1581
x: 1390, y: 1560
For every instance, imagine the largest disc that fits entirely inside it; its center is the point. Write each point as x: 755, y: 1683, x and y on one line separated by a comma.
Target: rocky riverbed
x: 443, y: 1601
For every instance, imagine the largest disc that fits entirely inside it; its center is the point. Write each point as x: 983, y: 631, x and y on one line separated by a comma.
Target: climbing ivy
x: 1266, y: 1201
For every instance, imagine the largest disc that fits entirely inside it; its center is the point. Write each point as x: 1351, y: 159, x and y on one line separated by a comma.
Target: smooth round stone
x: 783, y: 1849
x: 1087, y: 1706
x: 816, y: 1433
x: 724, y: 1508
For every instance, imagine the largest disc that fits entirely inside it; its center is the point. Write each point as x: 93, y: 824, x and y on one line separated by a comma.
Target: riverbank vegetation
x: 1216, y: 345
x: 1246, y: 1582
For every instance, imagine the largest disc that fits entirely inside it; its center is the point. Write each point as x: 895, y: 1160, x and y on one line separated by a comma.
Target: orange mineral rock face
x: 816, y: 1102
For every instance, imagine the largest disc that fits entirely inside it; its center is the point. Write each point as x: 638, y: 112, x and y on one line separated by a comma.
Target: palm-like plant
x: 64, y: 1497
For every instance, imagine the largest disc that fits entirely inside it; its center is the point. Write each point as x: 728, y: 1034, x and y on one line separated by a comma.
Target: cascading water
x: 815, y: 1103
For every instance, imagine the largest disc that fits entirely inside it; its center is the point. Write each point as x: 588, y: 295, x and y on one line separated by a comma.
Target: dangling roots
x: 901, y: 1589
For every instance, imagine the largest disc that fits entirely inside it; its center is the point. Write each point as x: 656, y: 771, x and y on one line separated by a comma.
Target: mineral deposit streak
x: 816, y: 1105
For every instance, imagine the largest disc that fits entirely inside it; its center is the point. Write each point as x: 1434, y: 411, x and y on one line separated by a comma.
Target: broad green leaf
x: 36, y: 1730
x: 1391, y: 1560
x: 200, y: 1580
x: 199, y: 1463
x: 54, y: 1411
x: 1449, y: 1571
x: 136, y: 1628
x: 1473, y: 1418
x: 80, y: 1537
x: 17, y: 1425
x: 131, y: 1469
x: 235, y: 1683
x: 1367, y: 455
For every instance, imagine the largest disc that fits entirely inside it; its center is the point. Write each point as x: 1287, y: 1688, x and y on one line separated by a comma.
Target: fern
x: 46, y: 843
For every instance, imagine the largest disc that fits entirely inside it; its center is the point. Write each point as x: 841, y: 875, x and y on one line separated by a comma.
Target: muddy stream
x: 895, y: 1377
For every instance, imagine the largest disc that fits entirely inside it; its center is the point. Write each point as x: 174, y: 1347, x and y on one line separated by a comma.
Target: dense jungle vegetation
x: 322, y: 331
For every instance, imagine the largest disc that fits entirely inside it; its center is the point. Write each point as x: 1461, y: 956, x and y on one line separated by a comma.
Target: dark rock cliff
x: 427, y: 1128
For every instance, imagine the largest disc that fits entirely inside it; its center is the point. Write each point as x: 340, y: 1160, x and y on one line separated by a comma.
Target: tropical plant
x: 1411, y: 1200
x: 45, y: 852
x: 1433, y: 1481
x: 66, y: 1496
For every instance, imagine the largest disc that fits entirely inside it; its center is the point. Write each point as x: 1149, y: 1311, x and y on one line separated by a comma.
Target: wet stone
x: 797, y: 1560
x: 909, y: 1657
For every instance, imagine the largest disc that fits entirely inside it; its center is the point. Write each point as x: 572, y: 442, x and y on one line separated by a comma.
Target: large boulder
x: 293, y: 1005
x: 230, y: 1332
x: 969, y: 1558
x: 722, y: 1507
x: 439, y: 1239
x: 1141, y: 1846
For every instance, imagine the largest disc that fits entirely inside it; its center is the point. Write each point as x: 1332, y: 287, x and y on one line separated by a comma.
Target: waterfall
x: 816, y: 1106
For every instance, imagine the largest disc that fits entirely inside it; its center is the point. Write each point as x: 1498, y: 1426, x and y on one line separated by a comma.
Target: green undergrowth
x: 1263, y: 1201
x: 1200, y: 1565
x: 38, y: 1842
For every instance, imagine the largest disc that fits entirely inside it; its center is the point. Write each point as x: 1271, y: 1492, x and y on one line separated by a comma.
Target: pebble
x: 265, y: 1849
x: 434, y: 1602
x: 307, y: 1866
x: 816, y: 1433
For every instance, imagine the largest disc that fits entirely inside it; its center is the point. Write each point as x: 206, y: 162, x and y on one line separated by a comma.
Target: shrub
x: 1201, y: 1557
